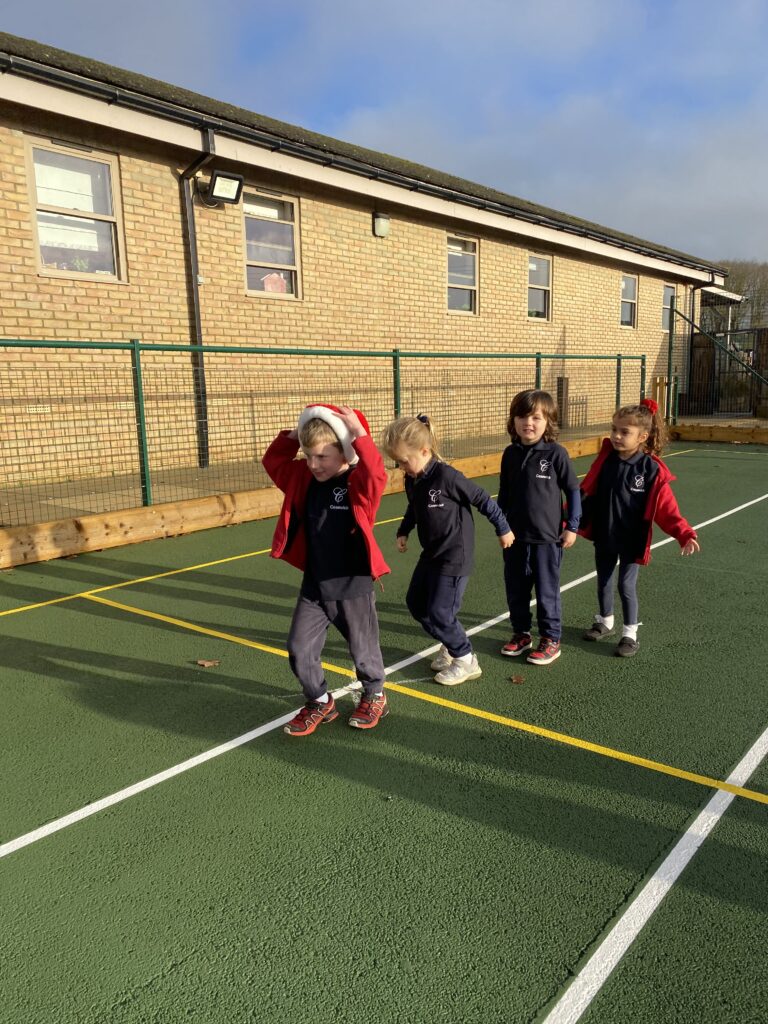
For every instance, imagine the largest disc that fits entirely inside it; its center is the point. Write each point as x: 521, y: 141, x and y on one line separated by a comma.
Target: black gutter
x: 181, y: 115
x: 200, y: 390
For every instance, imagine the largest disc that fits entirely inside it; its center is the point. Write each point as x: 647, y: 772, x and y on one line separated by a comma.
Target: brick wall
x: 356, y: 291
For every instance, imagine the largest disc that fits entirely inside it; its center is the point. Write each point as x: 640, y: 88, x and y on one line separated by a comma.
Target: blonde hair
x: 526, y: 402
x: 414, y: 432
x: 317, y: 431
x: 641, y: 416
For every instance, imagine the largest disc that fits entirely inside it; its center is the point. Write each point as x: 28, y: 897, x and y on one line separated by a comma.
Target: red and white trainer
x: 547, y: 652
x: 519, y: 644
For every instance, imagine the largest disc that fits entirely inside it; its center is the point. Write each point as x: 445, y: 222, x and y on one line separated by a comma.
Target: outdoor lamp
x: 223, y: 187
x: 381, y: 225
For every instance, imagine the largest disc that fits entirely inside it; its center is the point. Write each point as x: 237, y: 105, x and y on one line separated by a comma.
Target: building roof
x: 39, y: 61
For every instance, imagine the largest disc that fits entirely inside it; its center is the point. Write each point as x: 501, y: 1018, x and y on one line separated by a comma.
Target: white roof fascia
x: 721, y: 293
x: 55, y: 100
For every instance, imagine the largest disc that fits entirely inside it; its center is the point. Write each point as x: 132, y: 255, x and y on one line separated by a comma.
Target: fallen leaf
x: 516, y: 679
x: 204, y: 663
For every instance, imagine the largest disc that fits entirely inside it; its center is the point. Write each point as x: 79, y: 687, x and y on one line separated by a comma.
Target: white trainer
x: 459, y: 671
x: 442, y: 659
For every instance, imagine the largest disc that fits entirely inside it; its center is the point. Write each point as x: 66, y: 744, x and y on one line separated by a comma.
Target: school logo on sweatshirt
x: 639, y: 484
x: 339, y: 496
x: 434, y: 498
x: 544, y: 467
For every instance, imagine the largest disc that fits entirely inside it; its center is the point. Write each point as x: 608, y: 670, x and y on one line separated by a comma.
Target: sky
x: 649, y: 118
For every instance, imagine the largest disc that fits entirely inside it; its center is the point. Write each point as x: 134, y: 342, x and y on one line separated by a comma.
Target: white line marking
x: 139, y: 787
x: 593, y: 975
x: 153, y: 780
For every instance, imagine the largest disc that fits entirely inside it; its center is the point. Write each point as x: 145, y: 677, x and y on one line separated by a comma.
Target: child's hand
x: 691, y: 547
x: 507, y: 539
x: 293, y: 434
x: 348, y: 414
x: 567, y: 539
x: 402, y: 544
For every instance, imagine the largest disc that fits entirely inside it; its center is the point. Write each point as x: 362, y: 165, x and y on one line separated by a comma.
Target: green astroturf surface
x: 439, y: 868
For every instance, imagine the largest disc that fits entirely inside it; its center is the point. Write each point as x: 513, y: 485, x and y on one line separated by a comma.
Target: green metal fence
x: 92, y: 427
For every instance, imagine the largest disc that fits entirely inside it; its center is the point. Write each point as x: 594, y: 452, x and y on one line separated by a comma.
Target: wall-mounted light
x: 222, y: 188
x: 381, y: 225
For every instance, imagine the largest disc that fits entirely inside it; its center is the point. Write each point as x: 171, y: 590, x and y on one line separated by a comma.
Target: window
x: 628, y: 301
x: 539, y: 287
x: 270, y: 245
x: 666, y: 310
x: 79, y: 233
x: 462, y: 275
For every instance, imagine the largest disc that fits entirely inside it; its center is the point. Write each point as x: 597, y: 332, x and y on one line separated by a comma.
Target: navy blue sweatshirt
x: 440, y: 504
x: 620, y: 502
x: 531, y: 486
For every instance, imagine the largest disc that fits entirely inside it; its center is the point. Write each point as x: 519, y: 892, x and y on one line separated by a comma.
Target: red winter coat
x: 660, y: 508
x: 365, y: 485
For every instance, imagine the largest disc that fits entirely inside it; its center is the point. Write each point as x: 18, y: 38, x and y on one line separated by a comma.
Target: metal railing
x: 717, y: 376
x: 98, y: 426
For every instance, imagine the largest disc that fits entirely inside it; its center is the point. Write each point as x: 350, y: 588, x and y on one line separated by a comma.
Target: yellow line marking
x: 489, y: 716
x: 130, y: 583
x: 595, y: 748
x: 182, y: 624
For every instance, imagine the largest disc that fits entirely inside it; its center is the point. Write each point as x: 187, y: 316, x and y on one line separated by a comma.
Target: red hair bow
x: 650, y: 405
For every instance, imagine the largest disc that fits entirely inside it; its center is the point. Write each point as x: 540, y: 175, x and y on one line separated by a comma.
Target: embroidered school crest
x: 339, y: 494
x: 638, y: 484
x: 434, y: 495
x: 544, y: 465
x: 434, y: 499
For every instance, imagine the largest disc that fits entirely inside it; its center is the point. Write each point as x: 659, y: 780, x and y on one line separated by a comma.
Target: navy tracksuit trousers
x: 356, y: 620
x: 528, y: 567
x: 434, y: 600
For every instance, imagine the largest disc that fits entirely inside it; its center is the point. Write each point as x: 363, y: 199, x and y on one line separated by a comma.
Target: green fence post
x: 642, y: 376
x: 141, y: 423
x: 677, y: 399
x: 538, y: 371
x: 668, y: 409
x: 396, y: 380
x: 618, y: 380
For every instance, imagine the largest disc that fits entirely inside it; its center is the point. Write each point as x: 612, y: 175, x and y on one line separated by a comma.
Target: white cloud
x: 646, y: 116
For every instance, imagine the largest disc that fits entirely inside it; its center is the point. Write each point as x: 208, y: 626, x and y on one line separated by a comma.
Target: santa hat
x: 330, y: 414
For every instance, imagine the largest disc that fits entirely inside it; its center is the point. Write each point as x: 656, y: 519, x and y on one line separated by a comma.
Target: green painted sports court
x: 587, y: 842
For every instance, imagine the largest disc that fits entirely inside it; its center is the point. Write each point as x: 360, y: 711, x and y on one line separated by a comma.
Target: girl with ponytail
x: 625, y: 492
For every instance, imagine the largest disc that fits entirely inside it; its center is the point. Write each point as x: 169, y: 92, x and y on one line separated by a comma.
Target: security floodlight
x: 223, y: 187
x: 381, y: 225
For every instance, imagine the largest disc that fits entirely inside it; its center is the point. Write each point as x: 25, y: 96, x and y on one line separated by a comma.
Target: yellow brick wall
x: 357, y: 291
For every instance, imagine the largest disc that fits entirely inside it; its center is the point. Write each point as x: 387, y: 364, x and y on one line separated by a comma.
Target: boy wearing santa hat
x: 325, y: 528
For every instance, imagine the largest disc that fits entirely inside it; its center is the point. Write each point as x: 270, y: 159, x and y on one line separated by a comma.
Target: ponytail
x: 414, y: 432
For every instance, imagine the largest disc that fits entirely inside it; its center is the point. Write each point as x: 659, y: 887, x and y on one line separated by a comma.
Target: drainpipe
x: 193, y: 272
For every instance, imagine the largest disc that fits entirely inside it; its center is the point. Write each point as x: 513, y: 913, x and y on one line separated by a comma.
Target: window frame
x: 632, y: 302
x: 257, y: 192
x: 473, y: 289
x: 666, y: 307
x: 97, y: 156
x: 546, y: 289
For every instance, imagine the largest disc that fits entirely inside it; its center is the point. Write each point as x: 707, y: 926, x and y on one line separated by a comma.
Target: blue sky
x: 647, y: 117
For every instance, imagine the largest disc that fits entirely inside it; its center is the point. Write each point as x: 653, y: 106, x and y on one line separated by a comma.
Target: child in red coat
x: 625, y: 492
x: 325, y: 528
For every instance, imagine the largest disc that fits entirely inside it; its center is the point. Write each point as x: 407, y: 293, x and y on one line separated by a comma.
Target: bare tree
x: 750, y: 279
